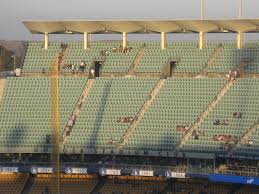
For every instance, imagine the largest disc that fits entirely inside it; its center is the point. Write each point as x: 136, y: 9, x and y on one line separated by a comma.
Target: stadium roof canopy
x: 239, y: 26
x: 167, y: 26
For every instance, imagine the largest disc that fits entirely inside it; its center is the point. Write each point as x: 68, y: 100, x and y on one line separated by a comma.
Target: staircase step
x: 78, y: 106
x: 136, y: 62
x: 212, y: 58
x: 207, y: 111
x: 141, y: 113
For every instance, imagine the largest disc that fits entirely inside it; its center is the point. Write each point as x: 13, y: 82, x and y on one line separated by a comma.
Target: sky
x: 13, y: 12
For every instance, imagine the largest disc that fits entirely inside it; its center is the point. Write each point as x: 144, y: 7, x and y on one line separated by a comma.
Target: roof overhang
x: 156, y: 26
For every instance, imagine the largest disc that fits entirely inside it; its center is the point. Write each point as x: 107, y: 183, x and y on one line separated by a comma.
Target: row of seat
x: 190, y: 58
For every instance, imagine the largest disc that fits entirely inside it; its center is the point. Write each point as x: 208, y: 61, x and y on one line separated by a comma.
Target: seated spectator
x: 73, y: 68
x: 125, y: 120
x: 235, y: 74
x: 232, y: 75
x: 92, y: 73
x: 181, y: 128
x: 110, y: 141
x: 71, y: 121
x: 250, y: 142
x: 226, y: 146
x: 237, y: 115
x: 187, y: 128
x: 217, y: 122
x: 228, y: 76
x: 225, y: 122
x: 73, y: 118
x: 82, y: 66
x: 114, y: 49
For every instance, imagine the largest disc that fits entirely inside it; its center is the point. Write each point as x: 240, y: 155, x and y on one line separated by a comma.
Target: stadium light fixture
x: 225, y: 31
x: 68, y: 32
x: 240, y: 9
x: 202, y: 9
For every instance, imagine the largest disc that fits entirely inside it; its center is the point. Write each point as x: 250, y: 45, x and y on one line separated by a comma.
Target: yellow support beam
x: 55, y: 120
x: 46, y: 40
x: 124, y: 40
x: 86, y: 37
x: 201, y: 40
x: 240, y: 40
x: 163, y: 40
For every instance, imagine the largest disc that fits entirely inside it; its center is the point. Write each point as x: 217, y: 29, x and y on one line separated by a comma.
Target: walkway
x: 141, y: 113
x: 77, y: 109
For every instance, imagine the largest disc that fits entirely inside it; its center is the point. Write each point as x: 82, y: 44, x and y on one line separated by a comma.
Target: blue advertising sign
x: 70, y: 170
x: 6, y: 169
x: 234, y: 179
x: 43, y: 170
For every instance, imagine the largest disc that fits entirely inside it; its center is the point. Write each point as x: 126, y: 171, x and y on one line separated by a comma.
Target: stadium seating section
x: 242, y: 97
x: 38, y: 59
x: 87, y: 186
x: 12, y: 183
x: 230, y: 57
x: 25, y: 119
x: 132, y: 187
x: 190, y: 58
x: 67, y: 186
x: 114, y: 61
x: 180, y: 102
x: 109, y: 100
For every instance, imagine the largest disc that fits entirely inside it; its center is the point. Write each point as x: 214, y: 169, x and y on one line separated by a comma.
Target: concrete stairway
x: 62, y: 60
x: 136, y: 61
x: 141, y: 113
x: 2, y: 86
x: 206, y: 112
x: 245, y: 137
x: 78, y: 106
x: 28, y: 185
x: 212, y: 59
x: 99, y: 186
x: 248, y: 134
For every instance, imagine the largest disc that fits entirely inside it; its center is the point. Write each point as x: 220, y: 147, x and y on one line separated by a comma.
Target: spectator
x: 92, y: 73
x: 82, y: 66
x: 226, y: 146
x: 114, y: 49
x: 225, y: 122
x: 110, y: 141
x: 237, y: 115
x: 73, y: 68
x: 235, y: 74
x: 250, y: 142
x: 217, y: 122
